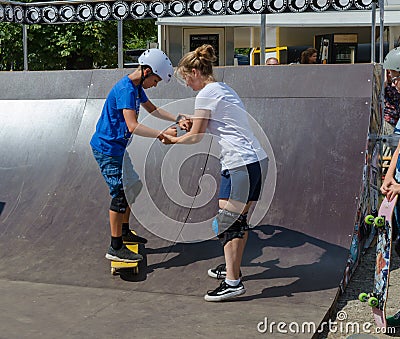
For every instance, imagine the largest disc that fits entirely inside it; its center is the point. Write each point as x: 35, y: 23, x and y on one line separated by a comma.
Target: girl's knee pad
x: 229, y: 225
x: 224, y: 220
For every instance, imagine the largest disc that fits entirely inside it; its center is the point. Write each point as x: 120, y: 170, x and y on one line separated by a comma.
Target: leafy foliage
x: 243, y: 51
x: 71, y: 46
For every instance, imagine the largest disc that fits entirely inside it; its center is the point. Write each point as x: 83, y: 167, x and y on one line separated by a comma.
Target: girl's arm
x: 199, y: 125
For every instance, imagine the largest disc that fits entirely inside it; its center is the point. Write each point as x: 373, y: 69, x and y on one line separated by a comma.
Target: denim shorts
x: 116, y: 171
x: 243, y: 183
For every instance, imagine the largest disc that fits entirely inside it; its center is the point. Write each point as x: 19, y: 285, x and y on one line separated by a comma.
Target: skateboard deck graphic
x: 116, y: 266
x: 377, y: 299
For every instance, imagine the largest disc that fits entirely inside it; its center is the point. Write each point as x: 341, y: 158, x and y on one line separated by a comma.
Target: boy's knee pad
x: 119, y: 204
x: 132, y: 191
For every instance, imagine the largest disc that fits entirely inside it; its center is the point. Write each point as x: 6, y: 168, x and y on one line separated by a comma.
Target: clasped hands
x: 169, y: 135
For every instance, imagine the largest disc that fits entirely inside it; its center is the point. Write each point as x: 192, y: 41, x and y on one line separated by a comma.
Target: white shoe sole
x: 213, y: 275
x: 225, y: 297
x: 114, y: 258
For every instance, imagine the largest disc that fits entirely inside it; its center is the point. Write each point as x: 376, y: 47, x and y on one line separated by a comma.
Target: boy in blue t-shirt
x: 117, y: 122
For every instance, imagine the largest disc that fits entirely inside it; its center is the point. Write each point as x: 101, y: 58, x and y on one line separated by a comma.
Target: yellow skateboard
x: 118, y: 265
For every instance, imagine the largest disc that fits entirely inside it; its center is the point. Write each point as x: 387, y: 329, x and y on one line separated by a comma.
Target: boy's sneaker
x: 132, y: 238
x: 224, y: 292
x: 123, y: 254
x: 219, y: 272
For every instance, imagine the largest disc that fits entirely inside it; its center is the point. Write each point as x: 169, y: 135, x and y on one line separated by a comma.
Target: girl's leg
x: 234, y: 249
x: 233, y: 252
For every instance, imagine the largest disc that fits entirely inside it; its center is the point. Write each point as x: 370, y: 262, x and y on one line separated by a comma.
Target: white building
x: 283, y: 29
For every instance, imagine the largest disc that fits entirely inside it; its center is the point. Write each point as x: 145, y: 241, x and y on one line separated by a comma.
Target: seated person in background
x: 272, y: 61
x: 309, y: 56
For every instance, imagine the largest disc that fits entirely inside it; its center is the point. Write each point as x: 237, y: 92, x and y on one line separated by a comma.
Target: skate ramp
x: 54, y: 226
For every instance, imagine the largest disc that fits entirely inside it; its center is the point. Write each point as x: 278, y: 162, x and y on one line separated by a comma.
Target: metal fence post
x: 120, y: 45
x: 25, y: 45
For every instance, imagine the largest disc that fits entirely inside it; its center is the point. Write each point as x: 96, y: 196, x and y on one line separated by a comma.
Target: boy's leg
x: 128, y: 236
x: 126, y: 215
x: 117, y: 250
x: 111, y: 169
x: 132, y: 188
x: 115, y: 223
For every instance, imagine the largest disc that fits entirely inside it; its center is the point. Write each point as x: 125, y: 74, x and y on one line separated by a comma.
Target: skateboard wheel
x: 369, y: 219
x: 363, y: 297
x: 373, y: 302
x: 113, y: 271
x: 379, y: 221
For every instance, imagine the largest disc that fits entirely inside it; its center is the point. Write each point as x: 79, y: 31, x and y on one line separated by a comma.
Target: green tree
x: 71, y: 46
x: 11, y: 55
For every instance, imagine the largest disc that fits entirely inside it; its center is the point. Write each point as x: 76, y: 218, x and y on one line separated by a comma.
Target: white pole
x: 262, y: 38
x: 381, y: 29
x: 25, y: 45
x: 373, y: 32
x: 120, y: 44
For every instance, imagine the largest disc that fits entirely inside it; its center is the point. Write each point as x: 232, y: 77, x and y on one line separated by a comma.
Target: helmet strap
x: 143, y: 77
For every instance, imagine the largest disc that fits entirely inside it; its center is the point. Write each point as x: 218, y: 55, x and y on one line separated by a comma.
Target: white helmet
x: 159, y: 63
x: 392, y: 60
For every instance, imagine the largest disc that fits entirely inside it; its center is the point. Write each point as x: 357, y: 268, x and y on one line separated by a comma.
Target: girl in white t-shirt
x: 220, y: 112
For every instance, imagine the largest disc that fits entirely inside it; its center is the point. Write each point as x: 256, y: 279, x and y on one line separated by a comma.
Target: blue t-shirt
x: 112, y: 134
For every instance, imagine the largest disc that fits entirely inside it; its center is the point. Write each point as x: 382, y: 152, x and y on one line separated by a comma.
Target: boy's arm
x: 184, y: 121
x: 139, y: 129
x: 157, y: 111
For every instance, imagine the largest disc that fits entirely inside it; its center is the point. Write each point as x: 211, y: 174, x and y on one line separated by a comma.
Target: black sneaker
x: 224, y: 292
x: 132, y: 238
x: 394, y: 321
x: 123, y: 254
x: 219, y: 272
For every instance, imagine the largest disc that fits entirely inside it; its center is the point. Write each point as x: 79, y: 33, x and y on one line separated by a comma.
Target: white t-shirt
x: 230, y: 125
